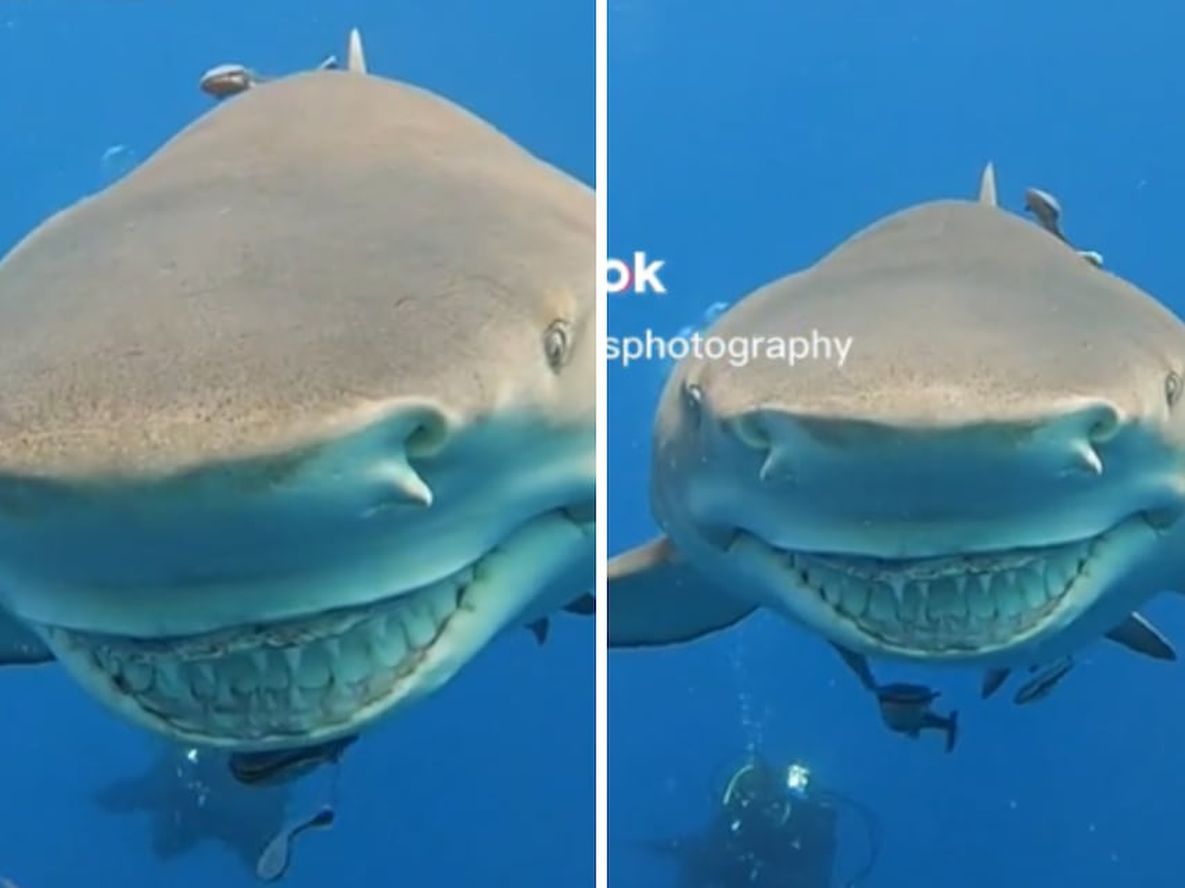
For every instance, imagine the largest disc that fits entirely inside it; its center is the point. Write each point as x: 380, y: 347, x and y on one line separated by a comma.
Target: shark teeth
x: 963, y: 602
x: 277, y: 679
x: 292, y: 679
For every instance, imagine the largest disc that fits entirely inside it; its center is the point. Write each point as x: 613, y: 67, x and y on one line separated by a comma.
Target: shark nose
x: 1064, y: 440
x: 417, y: 434
x: 1084, y: 434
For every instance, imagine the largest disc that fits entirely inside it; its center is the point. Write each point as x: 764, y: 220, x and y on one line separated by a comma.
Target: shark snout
x: 814, y: 479
x: 1064, y: 442
x: 929, y: 538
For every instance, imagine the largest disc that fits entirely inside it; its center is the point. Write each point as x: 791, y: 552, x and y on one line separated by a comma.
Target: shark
x: 995, y: 476
x: 299, y: 416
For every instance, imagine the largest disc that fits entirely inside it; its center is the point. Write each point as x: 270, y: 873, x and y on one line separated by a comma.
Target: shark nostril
x: 399, y: 485
x: 750, y: 430
x: 1086, y: 459
x: 413, y: 435
x: 427, y: 434
x: 777, y: 465
x: 1104, y: 422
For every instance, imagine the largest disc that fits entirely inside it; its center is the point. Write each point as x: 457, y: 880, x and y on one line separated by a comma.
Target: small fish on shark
x: 230, y: 79
x: 906, y: 709
x: 1134, y: 633
x: 1048, y: 211
x: 285, y: 765
x: 1040, y: 686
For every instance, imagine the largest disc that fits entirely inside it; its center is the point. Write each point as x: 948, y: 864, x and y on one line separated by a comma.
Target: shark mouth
x: 946, y: 604
x: 289, y: 682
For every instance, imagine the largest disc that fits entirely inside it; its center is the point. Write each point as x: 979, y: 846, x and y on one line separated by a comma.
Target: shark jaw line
x: 298, y: 681
x: 947, y: 606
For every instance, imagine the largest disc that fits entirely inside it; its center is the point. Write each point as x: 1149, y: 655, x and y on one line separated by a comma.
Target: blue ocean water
x: 745, y: 140
x: 491, y: 781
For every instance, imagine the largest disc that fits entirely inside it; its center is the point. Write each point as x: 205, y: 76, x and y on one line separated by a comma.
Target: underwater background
x: 491, y: 781
x: 747, y: 139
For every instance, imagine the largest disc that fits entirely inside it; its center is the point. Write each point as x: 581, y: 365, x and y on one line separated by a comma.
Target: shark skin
x: 299, y: 415
x: 995, y: 477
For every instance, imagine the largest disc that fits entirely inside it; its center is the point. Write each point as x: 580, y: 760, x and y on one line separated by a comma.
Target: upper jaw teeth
x: 965, y: 602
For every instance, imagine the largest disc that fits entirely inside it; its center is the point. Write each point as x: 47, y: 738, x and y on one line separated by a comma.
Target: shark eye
x: 556, y: 343
x: 1172, y: 387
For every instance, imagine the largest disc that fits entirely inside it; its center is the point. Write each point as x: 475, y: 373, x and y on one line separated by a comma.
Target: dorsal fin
x: 355, y: 57
x: 987, y: 185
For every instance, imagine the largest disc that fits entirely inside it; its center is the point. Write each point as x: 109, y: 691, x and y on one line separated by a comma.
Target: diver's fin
x: 992, y: 681
x: 585, y: 605
x: 20, y: 645
x: 656, y: 598
x: 952, y: 730
x: 276, y: 857
x: 987, y: 185
x: 858, y: 663
x: 539, y: 629
x: 1137, y: 634
x: 355, y: 57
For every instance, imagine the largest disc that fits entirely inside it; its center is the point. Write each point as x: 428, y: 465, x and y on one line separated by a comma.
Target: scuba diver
x: 192, y: 797
x: 770, y: 830
x: 237, y: 799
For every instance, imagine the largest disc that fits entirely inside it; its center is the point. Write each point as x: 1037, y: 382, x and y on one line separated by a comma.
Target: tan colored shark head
x: 299, y: 414
x: 993, y: 468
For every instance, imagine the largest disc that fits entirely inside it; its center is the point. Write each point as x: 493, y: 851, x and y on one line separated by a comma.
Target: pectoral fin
x: 19, y: 645
x: 1137, y: 634
x: 992, y: 681
x: 656, y: 598
x: 539, y: 629
x: 585, y: 605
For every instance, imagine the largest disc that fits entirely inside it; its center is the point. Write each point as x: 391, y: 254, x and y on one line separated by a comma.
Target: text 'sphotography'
x: 736, y: 351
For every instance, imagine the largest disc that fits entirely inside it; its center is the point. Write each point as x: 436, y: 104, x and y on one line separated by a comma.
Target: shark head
x: 299, y: 415
x: 995, y: 467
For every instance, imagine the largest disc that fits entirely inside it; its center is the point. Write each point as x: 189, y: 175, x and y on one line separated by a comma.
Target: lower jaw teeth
x: 281, y: 680
x: 962, y: 603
